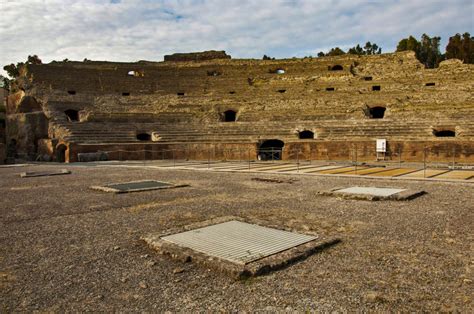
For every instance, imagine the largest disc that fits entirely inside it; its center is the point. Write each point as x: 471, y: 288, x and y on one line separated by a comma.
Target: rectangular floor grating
x: 44, y: 173
x: 135, y: 186
x: 384, y: 192
x: 238, y: 242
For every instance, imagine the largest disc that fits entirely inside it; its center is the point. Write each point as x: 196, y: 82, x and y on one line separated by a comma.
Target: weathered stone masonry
x: 323, y: 107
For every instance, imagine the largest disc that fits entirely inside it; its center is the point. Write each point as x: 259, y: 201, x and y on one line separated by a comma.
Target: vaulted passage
x: 444, y: 133
x: 270, y: 150
x: 377, y: 112
x: 230, y: 116
x: 306, y: 134
x: 61, y: 153
x: 72, y: 115
x: 143, y: 137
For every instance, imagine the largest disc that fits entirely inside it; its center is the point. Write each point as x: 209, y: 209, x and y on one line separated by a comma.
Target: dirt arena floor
x: 65, y: 247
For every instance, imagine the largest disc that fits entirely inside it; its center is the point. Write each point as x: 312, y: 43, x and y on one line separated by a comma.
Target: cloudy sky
x: 131, y: 30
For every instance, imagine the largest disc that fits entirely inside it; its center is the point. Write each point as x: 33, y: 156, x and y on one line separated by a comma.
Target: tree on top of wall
x: 369, y: 49
x: 461, y: 47
x: 13, y: 70
x: 426, y: 50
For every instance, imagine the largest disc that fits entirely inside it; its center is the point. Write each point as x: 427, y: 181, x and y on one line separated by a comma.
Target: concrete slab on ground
x: 136, y: 186
x: 44, y: 173
x: 374, y: 193
x: 238, y: 248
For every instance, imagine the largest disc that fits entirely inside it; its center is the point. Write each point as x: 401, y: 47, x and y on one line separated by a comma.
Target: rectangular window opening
x: 330, y: 89
x: 376, y: 88
x: 282, y: 91
x: 180, y: 93
x: 125, y: 94
x: 71, y: 92
x: 430, y: 84
x: 368, y: 78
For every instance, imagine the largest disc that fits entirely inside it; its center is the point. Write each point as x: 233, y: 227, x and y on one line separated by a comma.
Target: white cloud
x: 131, y: 30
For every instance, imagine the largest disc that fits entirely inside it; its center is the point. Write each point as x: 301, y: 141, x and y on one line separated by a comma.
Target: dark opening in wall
x: 444, y: 133
x: 336, y: 67
x: 61, y: 153
x: 136, y: 73
x: 282, y: 91
x: 125, y: 94
x: 230, y: 116
x: 377, y: 112
x: 367, y: 78
x: 232, y: 92
x: 330, y: 89
x: 213, y: 73
x: 72, y: 115
x: 71, y: 92
x: 270, y: 150
x: 143, y: 137
x: 306, y: 134
x: 376, y: 88
x: 277, y: 71
x: 180, y: 93
x: 430, y: 84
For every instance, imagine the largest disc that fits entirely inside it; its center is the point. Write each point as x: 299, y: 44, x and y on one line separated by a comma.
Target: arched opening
x: 306, y: 134
x: 213, y: 73
x: 281, y: 91
x: 336, y: 67
x: 444, y: 133
x: 143, y: 137
x: 61, y: 153
x: 377, y: 112
x: 277, y: 71
x: 72, y: 115
x: 230, y: 116
x: 270, y: 150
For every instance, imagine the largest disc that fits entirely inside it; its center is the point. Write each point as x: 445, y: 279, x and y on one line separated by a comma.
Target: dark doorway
x: 376, y: 88
x: 72, y: 115
x: 377, y: 112
x: 336, y: 67
x: 143, y: 137
x: 444, y: 133
x: 271, y: 150
x: 306, y: 135
x: 230, y: 116
x: 61, y: 153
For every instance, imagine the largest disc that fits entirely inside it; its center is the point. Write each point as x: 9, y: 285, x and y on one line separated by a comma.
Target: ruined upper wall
x: 197, y: 56
x: 328, y: 88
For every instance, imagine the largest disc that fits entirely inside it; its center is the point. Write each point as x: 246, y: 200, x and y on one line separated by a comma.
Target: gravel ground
x: 66, y: 247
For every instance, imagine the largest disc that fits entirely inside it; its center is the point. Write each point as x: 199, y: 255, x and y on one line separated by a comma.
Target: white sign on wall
x: 381, y: 145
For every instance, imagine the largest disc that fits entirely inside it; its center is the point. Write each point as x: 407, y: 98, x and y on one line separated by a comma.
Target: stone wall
x: 342, y: 100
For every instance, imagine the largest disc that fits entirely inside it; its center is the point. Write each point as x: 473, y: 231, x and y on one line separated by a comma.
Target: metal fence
x: 453, y: 158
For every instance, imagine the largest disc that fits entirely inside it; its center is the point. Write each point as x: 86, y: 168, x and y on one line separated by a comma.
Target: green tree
x: 426, y: 50
x: 461, y: 47
x: 335, y: 52
x: 369, y: 49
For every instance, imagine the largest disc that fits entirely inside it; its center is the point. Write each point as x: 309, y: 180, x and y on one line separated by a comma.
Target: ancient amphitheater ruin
x: 191, y: 104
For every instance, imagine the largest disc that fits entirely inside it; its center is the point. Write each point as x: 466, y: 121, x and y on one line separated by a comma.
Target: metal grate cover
x: 136, y: 186
x: 238, y: 242
x: 139, y: 185
x: 383, y: 192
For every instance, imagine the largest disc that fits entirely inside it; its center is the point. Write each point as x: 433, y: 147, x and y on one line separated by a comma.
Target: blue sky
x: 132, y: 30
